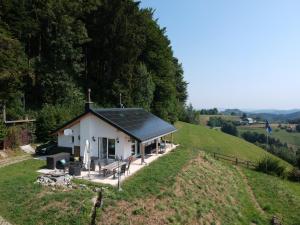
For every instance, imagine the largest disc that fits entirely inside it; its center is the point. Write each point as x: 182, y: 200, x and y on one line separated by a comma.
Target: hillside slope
x: 205, y: 191
x: 209, y: 140
x: 185, y: 186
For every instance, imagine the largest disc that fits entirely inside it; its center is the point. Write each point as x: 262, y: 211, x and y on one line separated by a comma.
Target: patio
x: 135, y: 166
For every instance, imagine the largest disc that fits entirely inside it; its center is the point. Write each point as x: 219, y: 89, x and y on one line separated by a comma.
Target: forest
x: 52, y: 51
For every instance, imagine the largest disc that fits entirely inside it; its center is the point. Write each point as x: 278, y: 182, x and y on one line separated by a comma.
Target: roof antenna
x: 121, y: 105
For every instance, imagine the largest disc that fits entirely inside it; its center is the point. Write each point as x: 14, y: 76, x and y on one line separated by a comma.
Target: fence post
x: 214, y: 155
x: 236, y: 161
x: 247, y: 164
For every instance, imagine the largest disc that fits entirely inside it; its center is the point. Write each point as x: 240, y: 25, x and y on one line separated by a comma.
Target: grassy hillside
x: 204, y: 191
x: 210, y: 140
x: 186, y: 186
x: 291, y: 138
x: 203, y: 119
x: 276, y: 196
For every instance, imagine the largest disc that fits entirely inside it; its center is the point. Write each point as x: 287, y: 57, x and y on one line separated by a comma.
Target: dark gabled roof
x: 135, y: 122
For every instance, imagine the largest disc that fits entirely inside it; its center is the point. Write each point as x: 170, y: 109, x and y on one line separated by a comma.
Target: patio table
x: 112, y: 167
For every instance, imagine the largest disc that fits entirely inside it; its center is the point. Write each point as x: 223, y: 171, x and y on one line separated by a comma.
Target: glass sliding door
x: 111, y: 150
x: 104, y: 148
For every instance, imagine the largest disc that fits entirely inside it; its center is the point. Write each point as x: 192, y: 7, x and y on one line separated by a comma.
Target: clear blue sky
x: 236, y: 53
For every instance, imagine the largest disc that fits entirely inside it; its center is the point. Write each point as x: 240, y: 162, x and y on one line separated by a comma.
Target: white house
x: 114, y: 132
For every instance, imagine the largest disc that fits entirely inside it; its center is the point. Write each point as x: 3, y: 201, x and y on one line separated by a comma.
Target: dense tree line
x: 213, y: 111
x: 51, y: 52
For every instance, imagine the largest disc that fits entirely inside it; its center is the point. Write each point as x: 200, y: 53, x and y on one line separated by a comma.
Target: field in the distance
x: 291, y: 138
x: 203, y: 119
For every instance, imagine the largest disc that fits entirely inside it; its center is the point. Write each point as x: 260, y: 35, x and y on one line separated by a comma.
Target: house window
x: 132, y: 148
x: 111, y: 148
x: 72, y: 139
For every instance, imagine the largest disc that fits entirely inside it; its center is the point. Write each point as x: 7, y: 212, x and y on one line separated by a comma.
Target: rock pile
x: 55, y: 180
x: 275, y: 221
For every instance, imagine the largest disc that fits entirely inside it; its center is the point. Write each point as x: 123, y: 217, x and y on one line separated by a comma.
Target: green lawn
x: 276, y: 196
x: 292, y: 138
x: 185, y: 186
x: 204, y: 191
x: 210, y: 140
x: 23, y: 202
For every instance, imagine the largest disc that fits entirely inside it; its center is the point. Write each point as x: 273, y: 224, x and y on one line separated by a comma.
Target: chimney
x: 89, y: 102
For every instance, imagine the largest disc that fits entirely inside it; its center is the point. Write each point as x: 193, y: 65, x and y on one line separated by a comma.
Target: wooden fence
x: 235, y: 160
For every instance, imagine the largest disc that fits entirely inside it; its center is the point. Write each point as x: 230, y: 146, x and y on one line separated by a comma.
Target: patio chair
x: 130, y: 159
x: 123, y: 169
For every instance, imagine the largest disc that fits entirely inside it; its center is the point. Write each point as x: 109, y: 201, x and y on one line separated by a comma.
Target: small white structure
x: 248, y: 121
x: 113, y: 133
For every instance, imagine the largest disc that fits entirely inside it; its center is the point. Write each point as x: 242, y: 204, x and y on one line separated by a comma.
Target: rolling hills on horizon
x: 272, y: 115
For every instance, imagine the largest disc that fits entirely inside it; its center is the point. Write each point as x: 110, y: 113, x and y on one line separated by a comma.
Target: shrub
x: 270, y: 166
x: 13, y: 136
x: 294, y: 174
x: 53, y: 116
x: 229, y: 128
x: 215, y: 122
x: 3, y: 131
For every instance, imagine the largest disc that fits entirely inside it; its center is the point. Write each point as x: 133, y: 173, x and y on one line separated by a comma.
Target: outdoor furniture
x: 53, y: 159
x: 75, y: 169
x: 92, y: 165
x: 62, y: 164
x: 123, y: 169
x: 162, y: 148
x: 130, y: 159
x: 112, y: 168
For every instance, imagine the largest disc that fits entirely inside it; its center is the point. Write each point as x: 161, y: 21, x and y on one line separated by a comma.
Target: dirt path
x: 12, y: 160
x: 4, y: 222
x: 250, y: 191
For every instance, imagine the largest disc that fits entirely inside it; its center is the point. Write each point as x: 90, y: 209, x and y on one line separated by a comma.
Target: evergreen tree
x: 110, y: 46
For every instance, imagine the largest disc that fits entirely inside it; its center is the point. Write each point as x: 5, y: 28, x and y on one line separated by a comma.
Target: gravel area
x: 3, y: 221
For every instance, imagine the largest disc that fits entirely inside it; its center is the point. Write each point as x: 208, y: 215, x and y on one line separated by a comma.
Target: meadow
x: 203, y: 119
x: 186, y: 186
x: 291, y: 138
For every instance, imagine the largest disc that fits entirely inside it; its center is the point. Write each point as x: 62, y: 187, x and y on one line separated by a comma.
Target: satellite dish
x: 68, y: 132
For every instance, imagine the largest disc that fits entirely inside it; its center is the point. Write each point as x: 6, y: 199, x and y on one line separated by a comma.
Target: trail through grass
x: 276, y: 196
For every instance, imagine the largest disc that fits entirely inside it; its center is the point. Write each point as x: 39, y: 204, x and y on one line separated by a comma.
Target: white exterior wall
x: 66, y: 141
x: 91, y: 126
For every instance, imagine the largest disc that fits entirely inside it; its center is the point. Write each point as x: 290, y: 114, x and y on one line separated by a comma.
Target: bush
x: 298, y: 127
x: 229, y: 128
x: 270, y: 166
x: 189, y: 115
x: 13, y: 136
x: 53, y: 116
x: 3, y: 131
x: 215, y: 122
x: 294, y: 175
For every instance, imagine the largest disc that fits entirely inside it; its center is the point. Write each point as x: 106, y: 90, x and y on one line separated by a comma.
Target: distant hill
x: 276, y: 117
x: 273, y: 111
x: 273, y: 115
x: 236, y: 112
